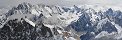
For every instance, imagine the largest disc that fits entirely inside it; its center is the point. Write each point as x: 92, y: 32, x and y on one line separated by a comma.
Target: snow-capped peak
x: 69, y: 23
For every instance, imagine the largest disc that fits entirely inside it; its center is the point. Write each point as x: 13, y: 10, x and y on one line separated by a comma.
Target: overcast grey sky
x: 7, y: 3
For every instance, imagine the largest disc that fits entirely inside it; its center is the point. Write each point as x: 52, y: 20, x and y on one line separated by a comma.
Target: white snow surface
x: 34, y: 11
x: 101, y: 22
x: 119, y: 29
x: 30, y: 22
x: 70, y: 17
x: 59, y: 31
x: 104, y: 33
x: 50, y: 26
x: 70, y: 38
x: 49, y: 10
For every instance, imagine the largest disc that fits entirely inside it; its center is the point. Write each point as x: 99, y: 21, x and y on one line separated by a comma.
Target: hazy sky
x: 7, y: 3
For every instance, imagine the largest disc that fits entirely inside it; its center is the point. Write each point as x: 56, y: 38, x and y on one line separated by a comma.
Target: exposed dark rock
x: 21, y: 30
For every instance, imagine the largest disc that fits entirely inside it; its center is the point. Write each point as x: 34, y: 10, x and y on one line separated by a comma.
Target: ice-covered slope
x: 49, y: 22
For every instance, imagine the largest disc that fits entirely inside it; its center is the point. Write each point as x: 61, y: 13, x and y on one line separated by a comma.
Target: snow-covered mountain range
x: 49, y: 22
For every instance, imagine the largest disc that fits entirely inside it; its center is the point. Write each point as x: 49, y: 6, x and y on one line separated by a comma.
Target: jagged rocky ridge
x: 44, y: 22
x: 22, y: 30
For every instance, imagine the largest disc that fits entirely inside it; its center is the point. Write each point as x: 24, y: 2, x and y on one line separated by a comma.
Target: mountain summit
x: 49, y: 22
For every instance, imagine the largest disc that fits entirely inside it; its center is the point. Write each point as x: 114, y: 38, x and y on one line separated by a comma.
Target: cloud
x: 4, y: 3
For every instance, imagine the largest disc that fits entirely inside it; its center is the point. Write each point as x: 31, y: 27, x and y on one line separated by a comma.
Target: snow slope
x: 85, y: 22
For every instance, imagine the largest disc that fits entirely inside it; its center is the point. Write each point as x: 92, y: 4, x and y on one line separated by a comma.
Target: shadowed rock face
x: 21, y: 30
